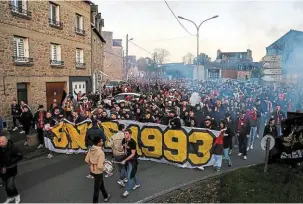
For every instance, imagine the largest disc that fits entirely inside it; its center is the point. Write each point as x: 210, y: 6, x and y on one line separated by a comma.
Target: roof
x: 235, y: 65
x: 295, y: 32
x: 98, y: 34
x: 88, y: 2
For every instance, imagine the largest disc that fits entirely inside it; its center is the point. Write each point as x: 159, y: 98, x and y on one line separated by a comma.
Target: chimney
x: 249, y: 54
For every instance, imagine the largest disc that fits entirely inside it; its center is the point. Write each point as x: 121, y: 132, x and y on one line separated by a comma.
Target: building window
x: 213, y: 74
x: 54, y: 16
x: 79, y: 25
x: 19, y: 8
x: 21, y: 51
x: 56, y: 55
x: 22, y: 92
x: 80, y: 58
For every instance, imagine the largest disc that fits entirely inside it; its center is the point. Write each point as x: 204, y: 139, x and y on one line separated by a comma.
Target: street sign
x: 272, y: 65
x: 272, y: 58
x: 272, y: 78
x: 272, y: 71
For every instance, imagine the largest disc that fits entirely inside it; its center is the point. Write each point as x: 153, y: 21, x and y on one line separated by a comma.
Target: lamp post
x: 198, y: 28
x: 126, y: 54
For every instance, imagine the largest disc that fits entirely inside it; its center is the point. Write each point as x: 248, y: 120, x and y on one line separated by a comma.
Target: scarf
x: 244, y: 121
x: 253, y: 115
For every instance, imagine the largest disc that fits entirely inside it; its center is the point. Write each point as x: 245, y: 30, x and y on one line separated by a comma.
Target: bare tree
x: 160, y: 55
x: 188, y: 58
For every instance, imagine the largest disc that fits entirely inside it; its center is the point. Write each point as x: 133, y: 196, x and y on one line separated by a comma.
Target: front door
x: 77, y: 87
x: 54, y: 90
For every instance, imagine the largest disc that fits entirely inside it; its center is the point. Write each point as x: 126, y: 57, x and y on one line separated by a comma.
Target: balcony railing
x: 20, y: 12
x: 23, y: 59
x: 54, y: 23
x: 79, y: 31
x: 80, y: 64
x: 56, y: 63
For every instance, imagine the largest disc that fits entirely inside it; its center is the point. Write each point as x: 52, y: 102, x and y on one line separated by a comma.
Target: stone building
x: 113, y: 56
x: 45, y: 47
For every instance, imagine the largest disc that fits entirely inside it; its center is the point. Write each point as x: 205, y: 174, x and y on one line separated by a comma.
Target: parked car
x: 121, y: 97
x: 113, y: 83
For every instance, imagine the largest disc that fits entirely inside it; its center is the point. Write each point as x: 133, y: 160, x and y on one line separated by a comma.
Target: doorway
x: 54, y: 90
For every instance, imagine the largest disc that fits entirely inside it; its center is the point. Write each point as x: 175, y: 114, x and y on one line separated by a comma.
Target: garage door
x: 78, y: 86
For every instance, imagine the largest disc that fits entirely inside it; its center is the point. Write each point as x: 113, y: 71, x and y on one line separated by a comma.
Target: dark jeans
x: 26, y: 129
x: 15, y: 118
x: 243, y: 144
x: 99, y: 186
x: 40, y: 135
x: 10, y: 187
x: 121, y: 167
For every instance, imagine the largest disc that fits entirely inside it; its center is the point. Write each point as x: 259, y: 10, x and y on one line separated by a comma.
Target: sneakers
x: 240, y: 154
x: 121, y: 183
x: 136, y: 186
x: 69, y: 152
x: 8, y: 200
x: 251, y: 147
x: 22, y: 132
x: 49, y: 156
x: 230, y: 151
x: 125, y: 194
x: 125, y: 180
x: 15, y: 129
x: 89, y: 176
x: 235, y: 146
x: 108, y: 175
x: 17, y: 199
x: 106, y: 199
x: 258, y: 136
x: 247, y: 149
x: 244, y: 157
x: 229, y: 164
x: 25, y: 143
x: 40, y: 146
x: 217, y: 169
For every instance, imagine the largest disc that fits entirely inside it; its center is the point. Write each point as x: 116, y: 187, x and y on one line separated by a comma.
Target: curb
x: 184, y: 186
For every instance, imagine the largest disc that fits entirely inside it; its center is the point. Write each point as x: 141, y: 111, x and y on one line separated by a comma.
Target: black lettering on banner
x: 200, y: 142
x: 59, y: 140
x: 175, y: 142
x: 136, y: 135
x: 152, y: 142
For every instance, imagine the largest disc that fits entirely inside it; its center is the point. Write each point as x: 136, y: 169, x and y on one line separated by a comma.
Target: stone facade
x: 113, y: 57
x: 40, y: 35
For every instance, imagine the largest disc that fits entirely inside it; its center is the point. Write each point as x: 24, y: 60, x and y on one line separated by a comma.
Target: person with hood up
x: 9, y: 157
x: 26, y: 120
x: 175, y: 121
x: 96, y: 158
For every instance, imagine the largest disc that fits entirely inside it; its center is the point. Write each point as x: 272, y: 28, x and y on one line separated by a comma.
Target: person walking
x: 39, y: 118
x: 9, y: 157
x: 243, y: 130
x: 26, y: 120
x: 131, y: 161
x: 253, y: 123
x: 96, y: 158
x: 115, y: 142
x: 16, y: 112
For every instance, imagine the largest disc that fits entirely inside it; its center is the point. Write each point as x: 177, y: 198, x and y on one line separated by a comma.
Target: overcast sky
x: 241, y: 25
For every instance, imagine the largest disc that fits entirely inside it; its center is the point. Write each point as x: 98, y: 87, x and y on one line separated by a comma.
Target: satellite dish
x: 264, y: 139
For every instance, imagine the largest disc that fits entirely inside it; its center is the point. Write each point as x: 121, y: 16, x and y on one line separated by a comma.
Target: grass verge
x: 247, y: 185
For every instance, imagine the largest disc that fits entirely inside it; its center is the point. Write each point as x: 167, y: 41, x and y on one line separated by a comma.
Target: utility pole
x: 126, y: 56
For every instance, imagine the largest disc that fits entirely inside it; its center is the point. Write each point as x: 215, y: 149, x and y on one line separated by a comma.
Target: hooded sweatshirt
x: 95, y: 157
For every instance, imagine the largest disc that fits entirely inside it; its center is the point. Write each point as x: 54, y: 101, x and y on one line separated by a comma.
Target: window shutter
x: 15, y: 47
x: 58, y: 52
x: 24, y: 4
x: 21, y: 47
x: 82, y: 56
x: 54, y: 52
x: 77, y: 55
x: 81, y: 22
x: 57, y: 13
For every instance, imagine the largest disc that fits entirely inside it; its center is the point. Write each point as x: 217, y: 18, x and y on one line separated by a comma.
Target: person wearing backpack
x: 115, y: 142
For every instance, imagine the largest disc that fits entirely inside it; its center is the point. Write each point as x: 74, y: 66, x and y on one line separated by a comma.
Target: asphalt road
x: 63, y: 179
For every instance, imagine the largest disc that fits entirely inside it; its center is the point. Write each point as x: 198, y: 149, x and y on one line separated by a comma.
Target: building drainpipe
x: 91, y: 59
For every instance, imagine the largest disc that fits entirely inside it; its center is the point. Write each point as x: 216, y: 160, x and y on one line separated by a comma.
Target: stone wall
x: 113, y: 63
x: 40, y: 36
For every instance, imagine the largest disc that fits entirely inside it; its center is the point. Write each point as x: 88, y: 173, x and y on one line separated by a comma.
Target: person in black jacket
x: 242, y: 130
x: 16, y: 112
x: 26, y: 120
x: 9, y: 157
x: 271, y: 128
x: 39, y: 118
x: 174, y: 122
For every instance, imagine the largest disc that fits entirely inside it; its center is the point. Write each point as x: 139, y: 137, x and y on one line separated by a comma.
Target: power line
x: 167, y: 39
x: 113, y: 54
x: 140, y: 47
x: 177, y: 18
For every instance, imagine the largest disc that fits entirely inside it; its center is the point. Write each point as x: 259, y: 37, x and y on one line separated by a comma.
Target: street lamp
x: 126, y: 54
x: 198, y: 28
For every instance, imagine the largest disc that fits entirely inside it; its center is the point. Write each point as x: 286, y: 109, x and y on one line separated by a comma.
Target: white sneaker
x: 244, y: 157
x: 258, y: 136
x: 240, y: 154
x: 251, y: 147
x: 108, y: 175
x: 15, y: 129
x: 40, y: 146
x: 121, y: 183
x: 49, y: 156
x: 125, y: 180
x: 17, y: 199
x: 89, y: 177
x: 25, y: 143
x: 8, y: 200
x: 22, y: 132
x: 136, y: 186
x: 247, y: 149
x: 106, y: 199
x: 69, y: 152
x: 125, y: 194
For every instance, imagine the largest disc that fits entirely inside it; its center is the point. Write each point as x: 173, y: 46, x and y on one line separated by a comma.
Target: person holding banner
x: 115, y: 142
x: 131, y: 161
x: 49, y: 123
x: 96, y: 158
